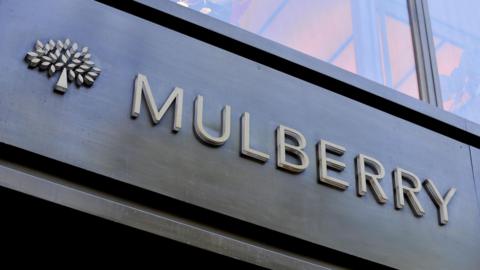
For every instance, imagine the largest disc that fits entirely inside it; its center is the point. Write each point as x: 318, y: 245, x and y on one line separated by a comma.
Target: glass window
x: 455, y: 26
x: 371, y: 38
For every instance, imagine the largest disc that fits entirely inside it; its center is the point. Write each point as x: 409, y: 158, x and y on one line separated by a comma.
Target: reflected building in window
x: 371, y: 38
x: 457, y: 47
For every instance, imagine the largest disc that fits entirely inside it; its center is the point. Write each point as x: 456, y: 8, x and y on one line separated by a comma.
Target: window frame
x: 427, y: 72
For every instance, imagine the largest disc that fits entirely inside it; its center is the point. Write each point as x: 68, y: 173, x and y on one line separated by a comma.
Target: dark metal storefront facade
x: 83, y: 149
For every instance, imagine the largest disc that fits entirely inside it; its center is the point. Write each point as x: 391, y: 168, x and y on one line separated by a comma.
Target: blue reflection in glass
x: 455, y: 26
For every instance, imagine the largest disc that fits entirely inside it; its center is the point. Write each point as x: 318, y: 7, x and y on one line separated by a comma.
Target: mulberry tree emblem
x: 65, y: 56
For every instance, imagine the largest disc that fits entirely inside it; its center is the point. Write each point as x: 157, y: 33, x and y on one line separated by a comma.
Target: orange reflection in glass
x: 252, y: 15
x: 369, y: 38
x: 346, y: 59
x: 448, y: 58
x: 318, y: 30
x: 400, y: 52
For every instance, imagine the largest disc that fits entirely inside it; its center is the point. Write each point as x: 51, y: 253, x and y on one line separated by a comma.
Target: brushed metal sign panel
x: 92, y: 128
x: 476, y: 168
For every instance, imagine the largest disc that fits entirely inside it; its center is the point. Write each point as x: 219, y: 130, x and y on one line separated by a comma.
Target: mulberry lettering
x: 406, y: 185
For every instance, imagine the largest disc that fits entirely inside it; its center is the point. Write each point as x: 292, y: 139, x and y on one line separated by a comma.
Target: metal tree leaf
x: 59, y: 45
x: 53, y: 57
x: 31, y: 55
x: 34, y: 62
x: 92, y: 74
x: 89, y: 80
x: 67, y: 43
x: 64, y: 58
x: 38, y: 45
x: 79, y: 70
x: 79, y: 80
x: 44, y: 65
x: 51, y: 70
x: 74, y: 48
x: 46, y: 59
x: 71, y: 75
x: 96, y: 70
x: 40, y: 52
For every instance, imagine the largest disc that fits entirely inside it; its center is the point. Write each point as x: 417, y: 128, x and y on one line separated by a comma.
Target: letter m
x: 142, y: 86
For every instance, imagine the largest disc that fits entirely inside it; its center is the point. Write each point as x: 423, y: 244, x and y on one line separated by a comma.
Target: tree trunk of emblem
x: 62, y: 83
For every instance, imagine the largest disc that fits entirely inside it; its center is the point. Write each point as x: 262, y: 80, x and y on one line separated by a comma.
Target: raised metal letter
x: 200, y: 130
x: 400, y: 190
x: 141, y: 85
x: 440, y: 202
x: 324, y: 163
x: 246, y: 150
x: 297, y: 150
x: 363, y: 176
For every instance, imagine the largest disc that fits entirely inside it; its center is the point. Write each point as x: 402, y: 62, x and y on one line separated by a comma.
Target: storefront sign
x: 76, y: 65
x: 221, y: 132
x: 295, y: 149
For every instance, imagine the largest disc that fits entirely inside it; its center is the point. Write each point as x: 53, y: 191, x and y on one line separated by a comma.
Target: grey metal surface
x: 93, y: 130
x: 476, y: 169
